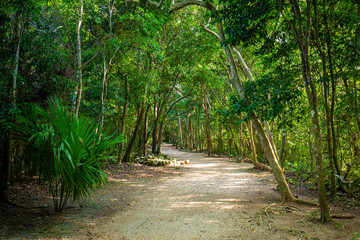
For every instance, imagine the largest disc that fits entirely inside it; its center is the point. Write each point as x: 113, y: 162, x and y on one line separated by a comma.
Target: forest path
x: 213, y: 199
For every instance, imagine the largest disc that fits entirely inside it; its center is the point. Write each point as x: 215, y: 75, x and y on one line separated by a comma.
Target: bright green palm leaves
x: 68, y: 150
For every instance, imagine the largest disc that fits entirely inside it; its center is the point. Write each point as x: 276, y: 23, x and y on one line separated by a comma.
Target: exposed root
x: 262, y: 166
x: 302, y: 201
x: 342, y: 216
x: 292, y: 199
x: 277, y: 209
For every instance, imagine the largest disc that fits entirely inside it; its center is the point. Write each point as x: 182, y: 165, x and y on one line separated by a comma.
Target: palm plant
x: 64, y: 150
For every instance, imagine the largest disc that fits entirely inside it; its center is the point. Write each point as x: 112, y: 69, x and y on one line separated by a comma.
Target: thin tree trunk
x: 331, y: 115
x: 105, y: 81
x: 282, y: 149
x: 143, y: 147
x: 155, y: 132
x: 103, y: 93
x: 6, y: 148
x: 220, y: 140
x: 333, y: 192
x: 180, y: 136
x: 126, y: 157
x: 79, y: 61
x: 199, y: 132
x: 235, y: 143
x: 269, y: 134
x: 191, y: 135
x: 207, y: 121
x: 302, y: 36
x: 123, y: 118
x: 319, y: 46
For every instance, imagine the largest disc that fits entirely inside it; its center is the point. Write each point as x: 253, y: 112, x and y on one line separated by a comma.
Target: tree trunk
x: 191, y: 136
x: 220, y: 140
x: 333, y: 192
x: 282, y: 149
x: 180, y: 136
x: 302, y: 37
x: 126, y: 157
x: 199, y: 132
x: 145, y: 134
x: 275, y: 166
x: 207, y: 121
x: 79, y: 61
x: 103, y: 93
x: 155, y: 132
x: 6, y: 147
x: 123, y: 118
x: 235, y: 143
x: 160, y: 136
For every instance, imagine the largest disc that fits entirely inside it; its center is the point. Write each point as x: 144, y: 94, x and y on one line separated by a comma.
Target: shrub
x: 64, y: 150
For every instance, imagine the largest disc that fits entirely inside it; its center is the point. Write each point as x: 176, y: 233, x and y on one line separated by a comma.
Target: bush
x: 64, y: 150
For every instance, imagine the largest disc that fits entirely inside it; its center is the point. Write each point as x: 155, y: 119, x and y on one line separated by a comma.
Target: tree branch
x: 176, y: 6
x: 211, y: 32
x: 158, y: 5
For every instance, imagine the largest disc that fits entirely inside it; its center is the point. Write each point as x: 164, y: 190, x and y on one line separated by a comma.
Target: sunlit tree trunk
x: 180, y: 134
x: 103, y: 92
x: 79, y: 61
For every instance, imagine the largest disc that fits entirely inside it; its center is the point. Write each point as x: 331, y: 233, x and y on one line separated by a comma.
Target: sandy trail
x: 210, y: 198
x: 213, y: 199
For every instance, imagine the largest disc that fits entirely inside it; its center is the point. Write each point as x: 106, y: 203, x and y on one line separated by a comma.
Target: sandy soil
x: 217, y: 199
x: 210, y: 198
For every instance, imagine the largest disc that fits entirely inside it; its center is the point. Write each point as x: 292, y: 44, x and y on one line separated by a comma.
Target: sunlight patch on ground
x: 208, y: 165
x: 110, y: 179
x: 219, y: 204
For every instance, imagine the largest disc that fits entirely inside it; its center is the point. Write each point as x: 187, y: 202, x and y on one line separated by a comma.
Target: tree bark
x: 79, y: 61
x: 207, y: 121
x: 155, y: 131
x: 180, y: 136
x: 103, y: 93
x: 123, y: 118
x: 126, y: 157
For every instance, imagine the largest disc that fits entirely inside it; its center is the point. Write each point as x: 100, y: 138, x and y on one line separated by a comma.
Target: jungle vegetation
x: 275, y: 81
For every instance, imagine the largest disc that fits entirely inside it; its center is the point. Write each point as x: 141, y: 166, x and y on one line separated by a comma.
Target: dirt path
x: 210, y: 198
x: 214, y: 199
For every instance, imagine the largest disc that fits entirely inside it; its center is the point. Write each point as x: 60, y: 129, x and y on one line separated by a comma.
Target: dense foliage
x: 148, y: 75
